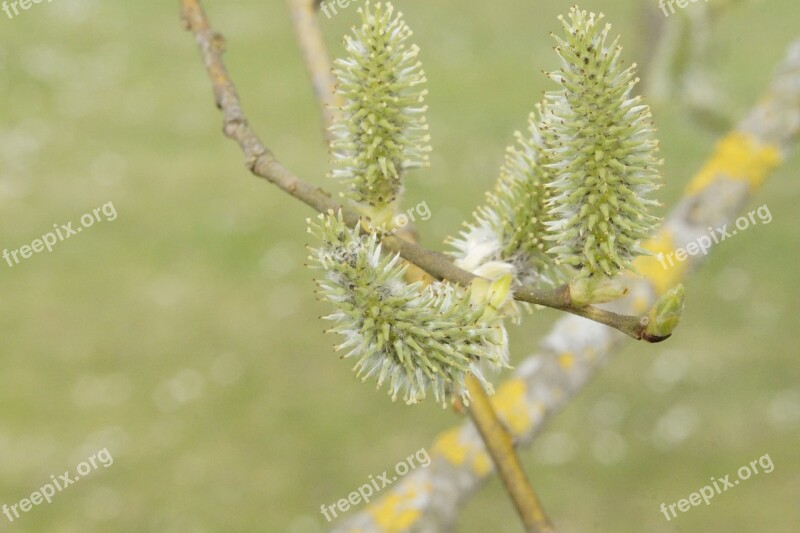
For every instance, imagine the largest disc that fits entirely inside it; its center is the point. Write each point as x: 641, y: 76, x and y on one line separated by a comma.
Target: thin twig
x: 263, y: 164
x: 501, y: 448
x: 315, y: 57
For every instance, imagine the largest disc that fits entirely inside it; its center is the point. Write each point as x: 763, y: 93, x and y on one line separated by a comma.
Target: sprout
x: 666, y: 314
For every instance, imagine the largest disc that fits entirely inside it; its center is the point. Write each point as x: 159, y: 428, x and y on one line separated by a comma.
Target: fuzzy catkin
x: 417, y: 339
x: 381, y: 131
x: 602, y: 147
x: 507, y: 233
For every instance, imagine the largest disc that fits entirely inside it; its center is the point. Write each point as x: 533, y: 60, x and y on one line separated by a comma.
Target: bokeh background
x: 183, y: 336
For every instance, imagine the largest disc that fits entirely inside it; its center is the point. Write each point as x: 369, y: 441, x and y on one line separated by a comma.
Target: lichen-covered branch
x: 576, y: 349
x: 262, y: 163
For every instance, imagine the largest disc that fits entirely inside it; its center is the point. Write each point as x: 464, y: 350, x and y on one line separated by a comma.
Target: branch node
x: 218, y: 43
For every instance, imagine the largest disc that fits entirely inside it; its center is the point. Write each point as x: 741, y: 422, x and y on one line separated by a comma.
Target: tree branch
x: 315, y: 57
x: 500, y: 446
x: 261, y: 162
x: 576, y: 350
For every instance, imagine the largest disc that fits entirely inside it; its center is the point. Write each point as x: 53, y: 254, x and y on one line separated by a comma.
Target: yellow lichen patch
x: 448, y: 445
x: 396, y: 511
x: 509, y: 402
x: 482, y: 464
x: 566, y: 360
x: 738, y: 156
x: 662, y: 269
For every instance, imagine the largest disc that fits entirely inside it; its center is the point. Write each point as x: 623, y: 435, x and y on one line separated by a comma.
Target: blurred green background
x: 183, y: 336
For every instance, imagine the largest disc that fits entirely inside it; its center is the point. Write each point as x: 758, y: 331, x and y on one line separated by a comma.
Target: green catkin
x: 603, y: 151
x: 381, y: 131
x: 414, y: 338
x: 506, y: 234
